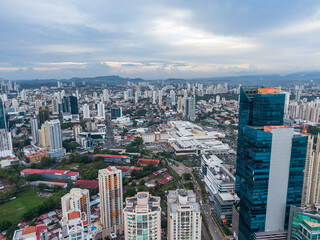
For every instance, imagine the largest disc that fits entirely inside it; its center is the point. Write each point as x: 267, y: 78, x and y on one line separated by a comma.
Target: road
x: 205, y: 208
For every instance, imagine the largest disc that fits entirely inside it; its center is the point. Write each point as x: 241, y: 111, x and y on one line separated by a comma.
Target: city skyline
x: 156, y: 40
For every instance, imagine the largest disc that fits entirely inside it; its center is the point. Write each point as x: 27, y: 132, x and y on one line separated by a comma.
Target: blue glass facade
x: 254, y: 157
x: 2, y: 116
x: 252, y: 175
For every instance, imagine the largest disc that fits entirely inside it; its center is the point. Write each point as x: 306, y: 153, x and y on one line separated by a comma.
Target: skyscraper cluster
x: 271, y: 160
x: 139, y: 219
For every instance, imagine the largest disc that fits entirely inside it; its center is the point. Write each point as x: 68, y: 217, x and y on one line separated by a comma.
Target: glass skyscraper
x: 270, y: 163
x: 74, y: 105
x: 3, y: 124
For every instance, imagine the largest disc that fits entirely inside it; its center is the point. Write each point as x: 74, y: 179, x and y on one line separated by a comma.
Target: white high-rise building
x: 77, y: 199
x: 111, y: 200
x: 154, y: 97
x: 101, y: 110
x: 23, y: 95
x: 184, y: 215
x: 86, y: 111
x: 35, y: 130
x: 5, y: 144
x: 142, y: 217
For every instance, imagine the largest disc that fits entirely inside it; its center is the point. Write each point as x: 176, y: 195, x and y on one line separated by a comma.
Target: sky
x: 157, y: 39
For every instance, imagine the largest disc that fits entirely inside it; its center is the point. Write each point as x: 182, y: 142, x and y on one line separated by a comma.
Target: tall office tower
x: 270, y: 163
x: 55, y: 106
x: 44, y: 115
x: 74, y: 105
x: 160, y: 98
x: 76, y: 199
x: 65, y: 105
x: 154, y: 97
x: 101, y: 110
x: 77, y: 94
x: 35, y: 130
x: 86, y: 111
x: 116, y: 113
x: 59, y: 84
x: 142, y: 217
x: 23, y: 95
x: 3, y: 121
x: 111, y: 200
x: 190, y: 108
x: 106, y: 95
x: 179, y: 105
x: 5, y: 143
x: 50, y: 138
x: 173, y: 97
x: 184, y: 215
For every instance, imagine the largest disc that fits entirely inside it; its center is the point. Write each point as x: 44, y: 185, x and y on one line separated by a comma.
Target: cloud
x: 157, y: 39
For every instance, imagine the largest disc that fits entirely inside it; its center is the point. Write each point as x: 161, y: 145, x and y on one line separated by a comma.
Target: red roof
x: 163, y: 181
x: 73, y: 215
x: 123, y: 169
x: 90, y: 184
x: 144, y: 161
x: 49, y: 171
x: 109, y: 156
x: 28, y: 230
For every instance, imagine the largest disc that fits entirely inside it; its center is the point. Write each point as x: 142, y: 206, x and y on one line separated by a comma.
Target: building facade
x: 142, y: 217
x: 111, y: 200
x: 76, y: 199
x: 184, y: 215
x: 270, y: 163
x: 50, y: 138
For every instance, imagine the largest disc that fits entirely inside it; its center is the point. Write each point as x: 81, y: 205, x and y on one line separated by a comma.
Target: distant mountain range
x: 266, y: 80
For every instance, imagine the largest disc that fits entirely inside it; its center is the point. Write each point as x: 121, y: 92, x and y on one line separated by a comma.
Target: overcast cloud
x: 157, y: 39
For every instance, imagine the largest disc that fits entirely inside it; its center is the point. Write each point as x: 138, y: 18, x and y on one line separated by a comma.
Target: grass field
x: 14, y: 209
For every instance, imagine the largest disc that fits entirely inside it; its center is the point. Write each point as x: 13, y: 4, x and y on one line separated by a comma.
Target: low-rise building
x: 31, y: 233
x: 216, y: 177
x: 51, y: 174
